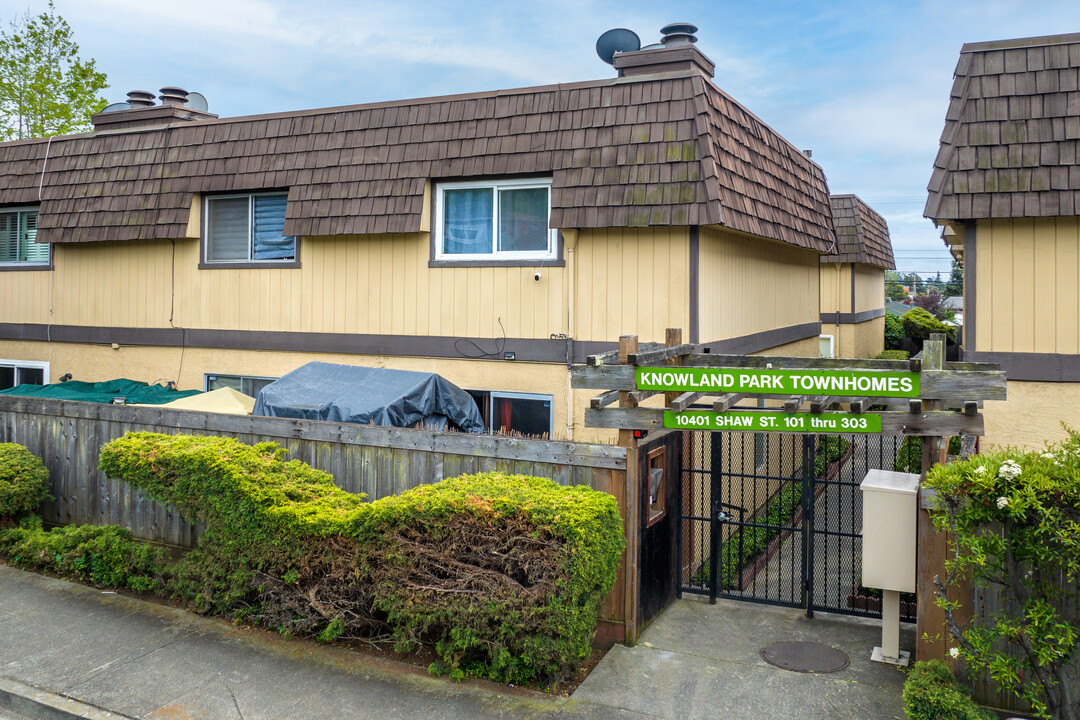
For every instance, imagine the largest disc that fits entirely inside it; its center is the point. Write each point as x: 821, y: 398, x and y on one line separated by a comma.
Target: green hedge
x: 894, y: 332
x: 24, y: 481
x: 893, y: 355
x: 919, y: 324
x: 501, y: 575
x: 931, y: 693
x: 106, y: 556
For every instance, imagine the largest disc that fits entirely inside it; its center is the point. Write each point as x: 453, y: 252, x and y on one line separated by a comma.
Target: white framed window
x: 826, y: 346
x: 513, y: 412
x: 494, y: 220
x: 18, y: 228
x: 247, y: 384
x: 23, y: 372
x: 247, y: 228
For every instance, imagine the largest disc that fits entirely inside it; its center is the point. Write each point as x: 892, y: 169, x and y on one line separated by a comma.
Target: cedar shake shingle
x: 1008, y: 147
x: 672, y: 150
x: 862, y: 236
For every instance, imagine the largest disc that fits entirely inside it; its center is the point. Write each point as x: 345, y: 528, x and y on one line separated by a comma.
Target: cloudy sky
x: 863, y: 84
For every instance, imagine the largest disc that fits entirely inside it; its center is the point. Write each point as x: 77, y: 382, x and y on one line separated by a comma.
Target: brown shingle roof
x: 862, y: 236
x: 1009, y: 147
x: 652, y: 151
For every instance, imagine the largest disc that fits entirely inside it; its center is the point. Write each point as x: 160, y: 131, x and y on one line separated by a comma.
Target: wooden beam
x: 604, y: 399
x: 914, y: 405
x: 861, y: 405
x: 612, y: 356
x: 935, y: 384
x: 929, y: 423
x: 792, y: 404
x: 684, y: 401
x: 655, y: 357
x: 627, y: 344
x: 726, y: 402
x: 818, y: 403
x: 673, y: 340
x: 931, y: 546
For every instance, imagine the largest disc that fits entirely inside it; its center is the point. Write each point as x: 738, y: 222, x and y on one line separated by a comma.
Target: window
x: 505, y: 412
x: 23, y: 372
x: 18, y: 228
x: 504, y: 220
x: 247, y: 229
x: 249, y: 385
x: 825, y: 346
x: 657, y: 484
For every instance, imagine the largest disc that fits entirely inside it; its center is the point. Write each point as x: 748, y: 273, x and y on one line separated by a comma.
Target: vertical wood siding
x: 1027, y: 274
x: 869, y: 288
x: 748, y: 285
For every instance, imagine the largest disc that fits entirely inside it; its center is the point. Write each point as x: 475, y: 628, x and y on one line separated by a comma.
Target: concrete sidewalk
x: 100, y: 651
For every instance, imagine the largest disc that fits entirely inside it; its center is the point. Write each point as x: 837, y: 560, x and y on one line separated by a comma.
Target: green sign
x: 756, y: 381
x: 773, y: 421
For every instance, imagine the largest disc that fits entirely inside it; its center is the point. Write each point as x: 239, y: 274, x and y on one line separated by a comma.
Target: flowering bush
x: 1015, y: 521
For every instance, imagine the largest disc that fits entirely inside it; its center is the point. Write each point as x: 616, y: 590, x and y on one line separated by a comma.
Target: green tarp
x: 132, y: 391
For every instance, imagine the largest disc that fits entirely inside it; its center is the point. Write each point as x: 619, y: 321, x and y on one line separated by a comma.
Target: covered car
x: 367, y: 395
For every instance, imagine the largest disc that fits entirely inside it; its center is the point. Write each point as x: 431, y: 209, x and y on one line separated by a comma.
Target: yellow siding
x: 1032, y: 415
x: 748, y: 285
x: 1026, y: 275
x: 835, y: 287
x: 630, y: 282
x: 869, y: 288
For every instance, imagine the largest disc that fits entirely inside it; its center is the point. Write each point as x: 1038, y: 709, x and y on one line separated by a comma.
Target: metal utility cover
x: 805, y: 657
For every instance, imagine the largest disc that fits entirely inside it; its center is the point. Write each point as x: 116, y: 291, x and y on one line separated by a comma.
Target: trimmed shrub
x: 501, y: 575
x: 893, y: 355
x: 894, y: 332
x: 106, y: 556
x: 918, y: 324
x: 24, y: 481
x: 931, y: 693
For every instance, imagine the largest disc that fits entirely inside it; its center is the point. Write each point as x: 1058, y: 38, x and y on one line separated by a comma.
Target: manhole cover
x: 804, y: 657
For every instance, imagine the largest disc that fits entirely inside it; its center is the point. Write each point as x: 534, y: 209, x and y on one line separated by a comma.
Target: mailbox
x: 890, y: 514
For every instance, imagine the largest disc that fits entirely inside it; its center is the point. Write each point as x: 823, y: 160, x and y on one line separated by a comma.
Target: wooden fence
x: 375, y: 461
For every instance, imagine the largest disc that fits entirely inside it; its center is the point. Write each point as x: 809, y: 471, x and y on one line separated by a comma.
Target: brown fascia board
x: 1021, y: 42
x: 666, y: 59
x: 138, y: 117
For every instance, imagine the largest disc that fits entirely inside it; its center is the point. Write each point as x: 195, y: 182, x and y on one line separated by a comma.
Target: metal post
x: 680, y: 554
x: 808, y: 524
x: 715, y: 469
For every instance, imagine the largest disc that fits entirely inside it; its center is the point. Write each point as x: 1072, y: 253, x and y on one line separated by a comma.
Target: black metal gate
x: 777, y: 518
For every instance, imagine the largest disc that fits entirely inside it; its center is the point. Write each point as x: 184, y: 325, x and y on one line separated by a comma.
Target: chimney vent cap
x: 173, y: 95
x: 141, y: 98
x: 679, y: 33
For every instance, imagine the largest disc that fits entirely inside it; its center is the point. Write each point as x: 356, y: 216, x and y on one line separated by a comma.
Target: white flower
x: 979, y: 470
x: 1009, y: 470
x: 1002, y: 502
x: 1047, y: 456
x: 954, y: 653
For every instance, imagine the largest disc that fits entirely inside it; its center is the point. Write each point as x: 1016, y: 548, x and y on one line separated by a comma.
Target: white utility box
x: 890, y: 513
x: 890, y: 520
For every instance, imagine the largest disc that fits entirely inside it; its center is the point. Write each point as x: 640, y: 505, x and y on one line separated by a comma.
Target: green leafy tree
x: 45, y: 87
x: 955, y: 286
x: 1014, y: 525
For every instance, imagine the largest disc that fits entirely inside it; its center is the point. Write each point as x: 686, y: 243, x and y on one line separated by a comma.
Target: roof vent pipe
x: 677, y: 34
x: 140, y: 98
x: 173, y: 96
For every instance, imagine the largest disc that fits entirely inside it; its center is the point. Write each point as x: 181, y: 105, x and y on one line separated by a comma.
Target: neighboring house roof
x: 954, y: 302
x: 656, y: 150
x: 1008, y: 149
x: 895, y: 307
x: 862, y: 235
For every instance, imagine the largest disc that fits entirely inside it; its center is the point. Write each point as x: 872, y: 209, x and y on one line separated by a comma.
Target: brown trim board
x: 1032, y: 367
x: 524, y: 349
x: 969, y: 285
x: 764, y: 340
x: 851, y: 318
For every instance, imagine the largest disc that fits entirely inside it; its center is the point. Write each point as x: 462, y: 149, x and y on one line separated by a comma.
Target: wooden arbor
x: 704, y: 391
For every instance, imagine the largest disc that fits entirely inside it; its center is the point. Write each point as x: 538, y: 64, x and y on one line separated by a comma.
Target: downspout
x: 570, y: 237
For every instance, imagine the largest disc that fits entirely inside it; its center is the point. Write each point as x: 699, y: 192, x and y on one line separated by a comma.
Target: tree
x: 955, y: 286
x: 1013, y: 520
x: 45, y: 87
x: 932, y: 302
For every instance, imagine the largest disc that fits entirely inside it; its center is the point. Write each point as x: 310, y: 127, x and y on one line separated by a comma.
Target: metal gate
x: 776, y: 518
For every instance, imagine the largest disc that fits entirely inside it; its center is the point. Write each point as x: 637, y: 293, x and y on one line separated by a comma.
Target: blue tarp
x: 347, y: 393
